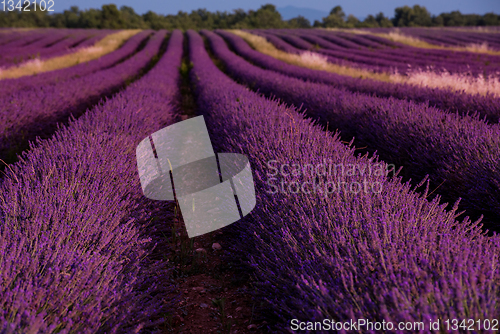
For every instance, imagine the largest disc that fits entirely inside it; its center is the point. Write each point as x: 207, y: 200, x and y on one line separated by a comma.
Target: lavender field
x: 375, y: 155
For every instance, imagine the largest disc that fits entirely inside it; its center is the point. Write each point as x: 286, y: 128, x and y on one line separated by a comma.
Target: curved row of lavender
x: 56, y: 45
x: 399, y: 49
x: 8, y: 35
x: 277, y: 42
x: 49, y: 39
x: 392, y: 256
x: 384, y: 42
x: 342, y: 41
x: 462, y: 153
x: 295, y: 45
x: 362, y: 40
x: 36, y: 112
x: 95, y: 37
x: 17, y: 39
x: 340, y: 53
x: 73, y: 259
x: 454, y: 37
x: 9, y: 86
x: 486, y: 106
x: 384, y: 60
x: 402, y: 59
x: 15, y: 56
x: 22, y: 39
x: 413, y: 54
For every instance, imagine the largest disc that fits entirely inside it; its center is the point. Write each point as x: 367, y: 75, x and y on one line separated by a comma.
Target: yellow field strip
x: 106, y: 45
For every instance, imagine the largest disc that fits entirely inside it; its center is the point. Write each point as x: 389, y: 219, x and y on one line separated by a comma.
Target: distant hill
x: 289, y: 12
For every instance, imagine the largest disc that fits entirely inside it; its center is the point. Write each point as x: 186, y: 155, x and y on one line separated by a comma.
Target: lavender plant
x: 74, y: 238
x: 9, y: 86
x: 452, y: 38
x: 456, y: 102
x: 460, y: 154
x: 392, y: 256
x: 401, y: 59
x: 51, y: 44
x: 36, y: 112
x: 57, y: 45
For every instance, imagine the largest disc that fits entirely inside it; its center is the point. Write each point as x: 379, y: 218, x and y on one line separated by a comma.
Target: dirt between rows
x: 212, y: 296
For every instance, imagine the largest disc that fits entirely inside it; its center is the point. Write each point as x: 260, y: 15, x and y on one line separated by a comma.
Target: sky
x: 359, y: 8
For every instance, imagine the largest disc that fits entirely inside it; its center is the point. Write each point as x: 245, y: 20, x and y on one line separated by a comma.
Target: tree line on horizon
x: 266, y: 17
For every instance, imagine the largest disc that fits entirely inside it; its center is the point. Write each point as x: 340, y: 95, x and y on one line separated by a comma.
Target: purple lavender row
x: 26, y: 39
x: 491, y: 39
x: 297, y: 42
x: 392, y: 256
x: 73, y: 44
x: 36, y: 112
x: 350, y: 57
x: 95, y: 37
x: 444, y: 40
x: 321, y: 42
x: 452, y: 61
x: 49, y: 40
x: 362, y: 40
x: 403, y: 59
x: 337, y: 40
x: 359, y: 39
x: 402, y: 52
x: 384, y: 41
x: 462, y: 153
x: 342, y: 53
x: 347, y: 56
x: 453, y: 38
x: 73, y: 259
x: 40, y: 43
x: 464, y: 40
x: 330, y: 44
x: 440, y: 40
x: 368, y: 41
x: 276, y: 41
x: 294, y: 41
x: 7, y: 36
x: 394, y: 58
x: 47, y: 48
x: 446, y: 54
x: 354, y: 41
x: 344, y: 60
x: 486, y: 106
x: 61, y: 37
x: 9, y: 86
x: 64, y: 39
